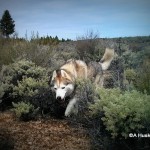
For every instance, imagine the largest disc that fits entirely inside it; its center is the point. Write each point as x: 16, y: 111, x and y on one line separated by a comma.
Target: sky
x: 73, y: 18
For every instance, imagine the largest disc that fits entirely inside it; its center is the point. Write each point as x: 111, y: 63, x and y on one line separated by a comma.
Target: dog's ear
x: 64, y: 74
x: 58, y: 73
x: 53, y: 75
x: 61, y: 73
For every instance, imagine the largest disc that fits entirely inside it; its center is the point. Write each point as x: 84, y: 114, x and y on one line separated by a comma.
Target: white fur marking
x: 63, y: 92
x: 105, y: 65
x: 60, y: 93
x: 72, y: 107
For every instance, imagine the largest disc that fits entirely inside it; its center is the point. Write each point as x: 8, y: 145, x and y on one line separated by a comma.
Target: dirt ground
x: 43, y: 134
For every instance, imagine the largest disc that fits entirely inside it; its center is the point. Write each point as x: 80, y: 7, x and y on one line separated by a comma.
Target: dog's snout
x: 58, y: 98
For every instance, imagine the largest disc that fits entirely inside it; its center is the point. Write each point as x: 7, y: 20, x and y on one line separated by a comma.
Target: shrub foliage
x: 105, y: 112
x: 124, y: 112
x: 24, y: 81
x: 142, y: 80
x: 24, y: 111
x: 87, y: 47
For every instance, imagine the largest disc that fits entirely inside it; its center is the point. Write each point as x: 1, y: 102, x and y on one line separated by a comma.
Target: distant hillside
x: 127, y: 43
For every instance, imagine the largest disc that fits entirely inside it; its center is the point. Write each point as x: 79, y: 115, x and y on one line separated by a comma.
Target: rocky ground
x: 43, y: 134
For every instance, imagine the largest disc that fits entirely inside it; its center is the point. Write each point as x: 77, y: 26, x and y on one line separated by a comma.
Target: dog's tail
x: 107, y: 58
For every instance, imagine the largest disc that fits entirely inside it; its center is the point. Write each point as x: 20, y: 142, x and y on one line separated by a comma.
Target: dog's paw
x: 67, y: 113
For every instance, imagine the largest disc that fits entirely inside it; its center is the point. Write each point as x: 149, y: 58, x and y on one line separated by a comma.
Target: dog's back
x: 77, y: 68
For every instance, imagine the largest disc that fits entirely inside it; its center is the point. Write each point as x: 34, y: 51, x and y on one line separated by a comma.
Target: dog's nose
x: 58, y: 98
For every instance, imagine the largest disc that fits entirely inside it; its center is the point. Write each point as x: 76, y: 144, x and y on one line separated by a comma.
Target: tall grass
x: 49, y: 55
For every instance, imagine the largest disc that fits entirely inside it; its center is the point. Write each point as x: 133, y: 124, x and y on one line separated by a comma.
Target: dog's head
x: 61, y: 85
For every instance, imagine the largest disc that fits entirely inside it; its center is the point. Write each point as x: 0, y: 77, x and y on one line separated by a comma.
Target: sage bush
x: 123, y: 111
x: 23, y: 81
x: 25, y: 111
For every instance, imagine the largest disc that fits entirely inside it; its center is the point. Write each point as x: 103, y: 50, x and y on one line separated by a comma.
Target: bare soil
x: 43, y: 134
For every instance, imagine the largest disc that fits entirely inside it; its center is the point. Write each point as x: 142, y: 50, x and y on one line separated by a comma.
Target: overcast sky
x: 72, y: 18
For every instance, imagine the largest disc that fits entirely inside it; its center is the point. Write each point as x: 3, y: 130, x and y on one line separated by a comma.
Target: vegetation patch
x: 108, y: 115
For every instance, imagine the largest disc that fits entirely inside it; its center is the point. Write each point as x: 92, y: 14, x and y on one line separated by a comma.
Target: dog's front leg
x: 72, y: 107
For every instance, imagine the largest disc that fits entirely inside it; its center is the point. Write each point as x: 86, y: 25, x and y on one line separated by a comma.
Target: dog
x: 63, y: 79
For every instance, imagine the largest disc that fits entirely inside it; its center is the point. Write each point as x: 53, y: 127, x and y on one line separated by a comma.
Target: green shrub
x: 124, y: 112
x: 28, y: 87
x: 21, y: 81
x: 130, y: 75
x: 16, y: 71
x: 142, y: 80
x: 13, y: 75
x: 24, y: 111
x: 85, y: 92
x: 111, y: 114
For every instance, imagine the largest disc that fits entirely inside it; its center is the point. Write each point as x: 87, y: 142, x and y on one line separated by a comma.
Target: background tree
x: 7, y: 25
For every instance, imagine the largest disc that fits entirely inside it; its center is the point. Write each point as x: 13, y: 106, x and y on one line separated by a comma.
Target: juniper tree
x: 7, y: 25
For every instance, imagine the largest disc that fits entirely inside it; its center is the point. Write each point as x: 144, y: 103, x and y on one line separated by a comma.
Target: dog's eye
x: 55, y: 88
x: 63, y: 88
